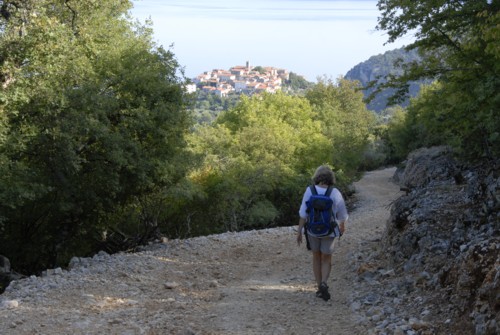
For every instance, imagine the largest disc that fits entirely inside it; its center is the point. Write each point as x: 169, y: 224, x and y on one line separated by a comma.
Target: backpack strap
x: 327, y: 192
x: 313, y: 192
x: 313, y: 189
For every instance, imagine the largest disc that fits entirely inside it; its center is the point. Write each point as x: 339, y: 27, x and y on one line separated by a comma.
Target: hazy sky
x: 310, y: 38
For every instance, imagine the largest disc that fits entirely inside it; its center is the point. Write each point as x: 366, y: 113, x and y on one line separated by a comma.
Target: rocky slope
x: 440, y: 250
x: 377, y: 68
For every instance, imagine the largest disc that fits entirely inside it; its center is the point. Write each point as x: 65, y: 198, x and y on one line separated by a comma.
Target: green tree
x: 345, y: 122
x: 399, y: 136
x: 296, y: 82
x: 459, y: 45
x: 92, y: 118
x: 257, y: 158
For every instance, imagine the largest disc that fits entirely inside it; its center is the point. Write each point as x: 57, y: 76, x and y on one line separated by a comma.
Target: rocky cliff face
x: 377, y: 68
x: 446, y: 233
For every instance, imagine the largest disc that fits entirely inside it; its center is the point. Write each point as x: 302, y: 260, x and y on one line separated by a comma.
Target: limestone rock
x: 446, y: 232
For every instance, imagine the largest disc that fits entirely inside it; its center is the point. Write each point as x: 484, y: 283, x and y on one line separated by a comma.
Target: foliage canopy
x: 91, y: 117
x: 459, y: 42
x: 259, y: 155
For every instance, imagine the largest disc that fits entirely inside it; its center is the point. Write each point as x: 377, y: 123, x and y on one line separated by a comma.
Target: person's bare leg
x: 326, y: 267
x: 317, y: 267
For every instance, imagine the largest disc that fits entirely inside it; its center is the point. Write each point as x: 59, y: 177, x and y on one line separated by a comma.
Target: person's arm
x: 340, y: 210
x: 302, y: 222
x: 302, y: 215
x: 342, y: 227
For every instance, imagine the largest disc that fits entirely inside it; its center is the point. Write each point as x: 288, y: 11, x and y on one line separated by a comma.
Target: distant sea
x: 311, y: 38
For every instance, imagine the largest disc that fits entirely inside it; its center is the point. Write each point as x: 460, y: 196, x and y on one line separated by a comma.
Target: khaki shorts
x: 323, y: 244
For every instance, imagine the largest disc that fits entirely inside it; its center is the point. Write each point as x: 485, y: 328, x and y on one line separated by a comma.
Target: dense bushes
x: 258, y: 157
x: 91, y: 120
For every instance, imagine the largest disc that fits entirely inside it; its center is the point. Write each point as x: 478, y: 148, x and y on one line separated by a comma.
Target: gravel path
x: 256, y: 282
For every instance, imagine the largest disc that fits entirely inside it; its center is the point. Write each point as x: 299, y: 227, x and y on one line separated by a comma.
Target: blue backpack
x: 321, y: 220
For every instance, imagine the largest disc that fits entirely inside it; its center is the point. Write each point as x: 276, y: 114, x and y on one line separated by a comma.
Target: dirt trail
x: 257, y: 282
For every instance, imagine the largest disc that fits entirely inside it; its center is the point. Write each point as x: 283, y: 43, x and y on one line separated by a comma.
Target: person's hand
x: 342, y: 227
x: 299, y: 237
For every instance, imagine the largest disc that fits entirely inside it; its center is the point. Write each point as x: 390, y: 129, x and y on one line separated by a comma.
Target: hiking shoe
x: 323, y: 292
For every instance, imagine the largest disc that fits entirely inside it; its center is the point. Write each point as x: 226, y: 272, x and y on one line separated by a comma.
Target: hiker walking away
x: 321, y: 243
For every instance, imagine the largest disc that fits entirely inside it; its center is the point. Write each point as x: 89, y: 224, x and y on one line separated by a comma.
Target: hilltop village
x: 240, y: 79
